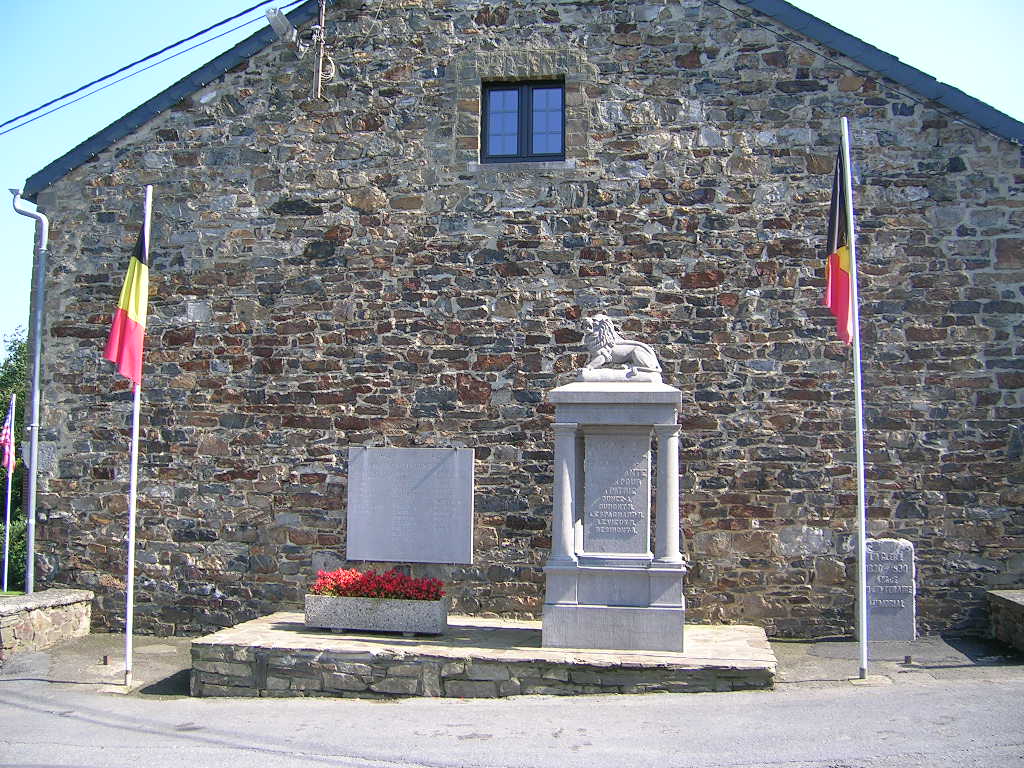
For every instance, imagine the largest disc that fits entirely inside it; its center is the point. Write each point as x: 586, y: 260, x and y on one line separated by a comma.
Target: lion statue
x: 606, y: 346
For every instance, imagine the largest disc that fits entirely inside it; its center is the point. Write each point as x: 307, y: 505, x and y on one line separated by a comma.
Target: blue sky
x: 50, y: 47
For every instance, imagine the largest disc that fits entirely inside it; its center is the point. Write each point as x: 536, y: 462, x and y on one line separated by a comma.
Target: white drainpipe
x: 38, y: 293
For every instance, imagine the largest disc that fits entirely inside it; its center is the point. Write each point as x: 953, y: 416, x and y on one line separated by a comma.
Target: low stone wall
x: 1006, y: 607
x: 43, y: 619
x: 478, y: 658
x: 227, y: 671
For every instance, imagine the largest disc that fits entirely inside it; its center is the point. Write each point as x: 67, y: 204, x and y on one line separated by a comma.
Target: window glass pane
x: 546, y: 131
x: 503, y: 122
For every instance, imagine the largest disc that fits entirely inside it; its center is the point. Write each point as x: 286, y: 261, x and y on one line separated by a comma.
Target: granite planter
x: 377, y: 614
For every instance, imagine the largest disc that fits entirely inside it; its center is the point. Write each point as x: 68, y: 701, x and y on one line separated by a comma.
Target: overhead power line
x: 122, y: 79
x: 126, y: 67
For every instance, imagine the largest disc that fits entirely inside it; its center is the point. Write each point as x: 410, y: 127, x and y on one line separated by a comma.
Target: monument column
x: 563, y: 535
x: 667, y: 546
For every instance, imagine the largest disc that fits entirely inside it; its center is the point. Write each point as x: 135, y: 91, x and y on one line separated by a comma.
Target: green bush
x: 16, y: 564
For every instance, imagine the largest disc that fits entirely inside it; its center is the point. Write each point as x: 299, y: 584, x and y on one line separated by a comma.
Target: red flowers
x: 393, y: 584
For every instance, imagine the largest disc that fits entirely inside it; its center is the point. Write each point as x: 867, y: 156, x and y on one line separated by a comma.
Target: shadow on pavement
x: 979, y: 651
x: 174, y: 685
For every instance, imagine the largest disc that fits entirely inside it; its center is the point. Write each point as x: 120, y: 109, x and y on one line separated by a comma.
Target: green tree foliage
x: 14, y: 380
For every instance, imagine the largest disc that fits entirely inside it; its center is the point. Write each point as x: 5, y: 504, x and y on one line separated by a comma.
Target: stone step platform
x: 476, y: 658
x: 1006, y: 609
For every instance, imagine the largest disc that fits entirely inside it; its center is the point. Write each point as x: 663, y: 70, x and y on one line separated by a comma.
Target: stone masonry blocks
x: 295, y: 311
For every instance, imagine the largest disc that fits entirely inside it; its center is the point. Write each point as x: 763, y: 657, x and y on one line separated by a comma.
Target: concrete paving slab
x: 871, y: 680
x: 923, y: 661
x: 160, y: 664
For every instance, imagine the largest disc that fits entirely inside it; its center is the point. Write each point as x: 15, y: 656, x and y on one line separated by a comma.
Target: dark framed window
x: 522, y: 122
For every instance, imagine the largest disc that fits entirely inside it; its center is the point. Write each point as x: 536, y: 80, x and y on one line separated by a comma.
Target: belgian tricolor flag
x: 124, y: 345
x: 838, y: 287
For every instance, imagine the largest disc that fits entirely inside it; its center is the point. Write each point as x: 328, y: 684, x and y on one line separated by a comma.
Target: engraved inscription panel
x: 410, y: 505
x: 891, y: 589
x: 617, y: 493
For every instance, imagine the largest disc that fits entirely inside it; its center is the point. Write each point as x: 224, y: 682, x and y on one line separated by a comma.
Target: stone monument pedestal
x: 605, y: 588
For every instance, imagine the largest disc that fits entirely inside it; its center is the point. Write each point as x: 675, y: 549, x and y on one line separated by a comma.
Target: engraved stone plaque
x: 617, y: 493
x: 410, y: 505
x: 891, y: 590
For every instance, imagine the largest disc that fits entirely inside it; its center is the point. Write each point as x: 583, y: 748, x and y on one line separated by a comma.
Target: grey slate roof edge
x: 892, y: 68
x: 139, y: 116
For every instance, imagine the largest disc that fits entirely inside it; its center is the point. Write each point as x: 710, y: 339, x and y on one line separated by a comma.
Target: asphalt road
x: 952, y: 705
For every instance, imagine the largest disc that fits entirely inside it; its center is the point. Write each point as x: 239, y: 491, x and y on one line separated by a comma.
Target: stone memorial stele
x: 891, y: 590
x: 604, y: 587
x: 410, y: 505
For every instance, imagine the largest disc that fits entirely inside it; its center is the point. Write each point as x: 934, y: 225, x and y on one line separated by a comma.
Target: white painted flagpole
x: 858, y: 400
x: 133, y: 486
x: 7, y: 530
x: 7, y: 513
x: 132, y: 497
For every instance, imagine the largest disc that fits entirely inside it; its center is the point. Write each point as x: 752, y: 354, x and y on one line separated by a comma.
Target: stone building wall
x: 325, y: 273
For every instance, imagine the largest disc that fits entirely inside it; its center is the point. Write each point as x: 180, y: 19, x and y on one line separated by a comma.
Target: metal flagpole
x: 133, y: 486
x: 858, y: 400
x: 132, y: 496
x: 7, y: 530
x: 7, y: 513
